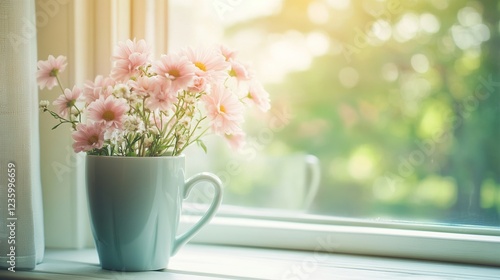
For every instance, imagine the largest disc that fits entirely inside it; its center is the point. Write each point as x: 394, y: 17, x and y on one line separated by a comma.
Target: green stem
x: 59, y: 83
x: 195, y: 139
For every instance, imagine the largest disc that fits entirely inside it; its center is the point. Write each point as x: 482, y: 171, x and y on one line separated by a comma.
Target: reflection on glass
x: 399, y: 100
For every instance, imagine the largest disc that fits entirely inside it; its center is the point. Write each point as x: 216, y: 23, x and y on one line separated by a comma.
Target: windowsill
x: 197, y: 261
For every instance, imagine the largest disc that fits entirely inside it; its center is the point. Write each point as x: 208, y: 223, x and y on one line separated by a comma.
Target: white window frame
x: 290, y: 230
x: 273, y: 228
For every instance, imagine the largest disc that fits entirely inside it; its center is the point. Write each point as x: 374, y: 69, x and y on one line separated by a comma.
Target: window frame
x: 292, y: 230
x: 249, y: 227
x: 269, y: 228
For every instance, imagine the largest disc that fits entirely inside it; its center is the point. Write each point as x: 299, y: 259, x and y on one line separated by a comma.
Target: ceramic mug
x: 135, y: 204
x: 288, y: 182
x: 295, y: 179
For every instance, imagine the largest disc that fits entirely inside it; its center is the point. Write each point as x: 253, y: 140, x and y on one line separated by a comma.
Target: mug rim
x: 128, y: 157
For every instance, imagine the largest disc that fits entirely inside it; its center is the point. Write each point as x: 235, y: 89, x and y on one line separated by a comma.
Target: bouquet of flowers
x: 152, y: 108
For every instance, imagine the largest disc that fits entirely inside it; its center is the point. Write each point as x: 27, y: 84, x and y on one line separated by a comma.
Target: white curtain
x: 19, y: 138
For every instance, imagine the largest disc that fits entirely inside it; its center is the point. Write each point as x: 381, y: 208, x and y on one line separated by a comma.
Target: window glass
x: 380, y: 109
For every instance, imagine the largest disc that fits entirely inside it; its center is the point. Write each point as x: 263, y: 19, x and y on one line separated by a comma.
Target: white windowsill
x: 197, y: 261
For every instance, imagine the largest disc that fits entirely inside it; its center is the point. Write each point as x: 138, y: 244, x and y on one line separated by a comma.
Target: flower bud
x: 44, y: 104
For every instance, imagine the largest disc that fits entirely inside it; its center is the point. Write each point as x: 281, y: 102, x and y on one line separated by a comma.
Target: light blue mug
x: 135, y: 204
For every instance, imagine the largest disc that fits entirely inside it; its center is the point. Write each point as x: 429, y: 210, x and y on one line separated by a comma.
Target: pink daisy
x: 228, y: 53
x: 88, y: 137
x: 236, y: 141
x: 67, y: 100
x: 123, y: 50
x: 199, y: 85
x: 127, y: 69
x: 225, y: 111
x: 162, y: 97
x: 258, y: 96
x: 239, y: 71
x: 176, y: 68
x: 101, y: 86
x: 129, y: 56
x: 208, y: 61
x: 143, y: 85
x: 109, y: 111
x: 48, y: 70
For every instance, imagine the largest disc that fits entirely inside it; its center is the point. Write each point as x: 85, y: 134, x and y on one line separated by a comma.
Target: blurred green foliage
x: 402, y: 109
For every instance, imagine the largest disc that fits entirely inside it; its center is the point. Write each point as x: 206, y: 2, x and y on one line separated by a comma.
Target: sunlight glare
x: 468, y: 16
x: 339, y: 4
x: 420, y: 63
x: 361, y: 163
x: 287, y: 53
x: 407, y: 27
x: 429, y: 23
x: 382, y: 30
x: 432, y: 121
x: 470, y: 37
x: 318, y: 13
x: 318, y: 43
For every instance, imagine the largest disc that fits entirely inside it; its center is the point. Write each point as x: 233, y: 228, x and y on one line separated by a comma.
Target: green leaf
x: 202, y: 145
x: 57, y: 125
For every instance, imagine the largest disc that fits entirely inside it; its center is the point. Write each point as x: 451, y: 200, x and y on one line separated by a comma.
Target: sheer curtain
x: 19, y: 140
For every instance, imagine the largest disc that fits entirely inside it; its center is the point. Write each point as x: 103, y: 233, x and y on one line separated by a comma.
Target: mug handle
x: 182, y: 239
x: 312, y: 163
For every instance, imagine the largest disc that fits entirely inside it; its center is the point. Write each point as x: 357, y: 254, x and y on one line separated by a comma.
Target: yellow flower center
x: 54, y: 72
x: 93, y: 139
x: 70, y: 103
x: 108, y: 116
x: 201, y: 66
x: 174, y: 73
x: 222, y: 109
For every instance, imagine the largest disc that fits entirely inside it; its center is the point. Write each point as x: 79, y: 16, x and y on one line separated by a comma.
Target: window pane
x: 399, y: 101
